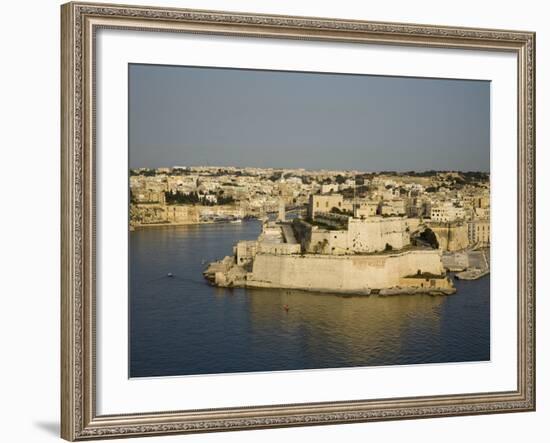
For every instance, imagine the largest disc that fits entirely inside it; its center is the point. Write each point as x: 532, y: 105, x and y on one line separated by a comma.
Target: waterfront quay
x: 469, y: 264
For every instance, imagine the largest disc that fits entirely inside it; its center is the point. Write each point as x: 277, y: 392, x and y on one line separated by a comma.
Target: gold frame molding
x: 79, y: 22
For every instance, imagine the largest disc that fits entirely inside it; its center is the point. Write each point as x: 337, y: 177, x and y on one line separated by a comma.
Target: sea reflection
x: 360, y: 330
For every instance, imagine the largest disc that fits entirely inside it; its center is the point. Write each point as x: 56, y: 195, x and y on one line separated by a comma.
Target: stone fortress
x: 341, y: 246
x: 357, y: 232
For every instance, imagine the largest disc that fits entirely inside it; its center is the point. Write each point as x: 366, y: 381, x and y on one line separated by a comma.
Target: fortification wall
x: 341, y: 273
x: 328, y: 242
x: 245, y: 251
x: 182, y: 213
x: 451, y: 236
x: 278, y: 248
x: 362, y: 236
x: 373, y: 234
x: 143, y: 214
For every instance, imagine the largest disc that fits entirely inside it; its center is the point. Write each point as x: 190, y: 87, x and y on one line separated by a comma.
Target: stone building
x: 479, y: 232
x: 182, y: 214
x: 147, y: 196
x: 337, y: 234
x: 446, y: 212
x: 365, y: 208
x: 325, y: 203
x: 149, y: 214
x: 393, y: 207
x: 327, y: 188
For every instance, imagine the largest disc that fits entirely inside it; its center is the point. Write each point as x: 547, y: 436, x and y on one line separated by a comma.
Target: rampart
x: 358, y: 274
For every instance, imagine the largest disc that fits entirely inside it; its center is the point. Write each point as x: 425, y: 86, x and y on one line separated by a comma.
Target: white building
x: 327, y: 188
x: 446, y: 212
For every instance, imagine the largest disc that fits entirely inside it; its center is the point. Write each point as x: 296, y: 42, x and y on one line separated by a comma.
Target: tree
x: 225, y: 200
x: 340, y: 179
x: 180, y: 198
x: 193, y: 198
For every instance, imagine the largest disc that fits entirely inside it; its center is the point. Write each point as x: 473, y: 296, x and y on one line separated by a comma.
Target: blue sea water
x: 182, y: 325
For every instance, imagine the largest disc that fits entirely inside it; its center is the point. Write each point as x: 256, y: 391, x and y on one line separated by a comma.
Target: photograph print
x: 283, y: 220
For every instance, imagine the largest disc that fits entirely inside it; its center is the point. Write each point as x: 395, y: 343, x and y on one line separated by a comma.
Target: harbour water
x: 180, y: 325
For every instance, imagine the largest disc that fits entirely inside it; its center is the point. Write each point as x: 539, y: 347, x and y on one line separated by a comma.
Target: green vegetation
x: 336, y: 210
x: 179, y: 198
x: 360, y: 191
x: 470, y: 176
x: 320, y: 246
x: 180, y: 171
x: 340, y: 179
x: 429, y: 173
x: 225, y: 200
x: 144, y: 172
x: 323, y: 225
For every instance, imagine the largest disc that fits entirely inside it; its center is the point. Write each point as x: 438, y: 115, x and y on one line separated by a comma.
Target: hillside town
x: 417, y: 225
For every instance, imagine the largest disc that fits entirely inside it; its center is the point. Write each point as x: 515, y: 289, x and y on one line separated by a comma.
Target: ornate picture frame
x: 80, y: 22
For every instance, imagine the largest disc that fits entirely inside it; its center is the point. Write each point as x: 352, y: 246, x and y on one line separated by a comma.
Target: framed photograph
x: 283, y: 221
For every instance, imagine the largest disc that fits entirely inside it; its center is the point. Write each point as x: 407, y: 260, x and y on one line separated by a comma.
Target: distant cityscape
x: 426, y: 223
x: 199, y: 194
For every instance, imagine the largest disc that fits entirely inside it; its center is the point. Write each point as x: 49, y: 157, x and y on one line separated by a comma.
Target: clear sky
x: 233, y: 117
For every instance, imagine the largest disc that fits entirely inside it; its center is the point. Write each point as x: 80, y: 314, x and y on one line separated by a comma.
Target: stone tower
x: 282, y: 210
x: 283, y: 195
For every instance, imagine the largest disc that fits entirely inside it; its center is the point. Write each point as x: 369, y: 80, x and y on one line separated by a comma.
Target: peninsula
x: 341, y: 246
x: 335, y: 231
